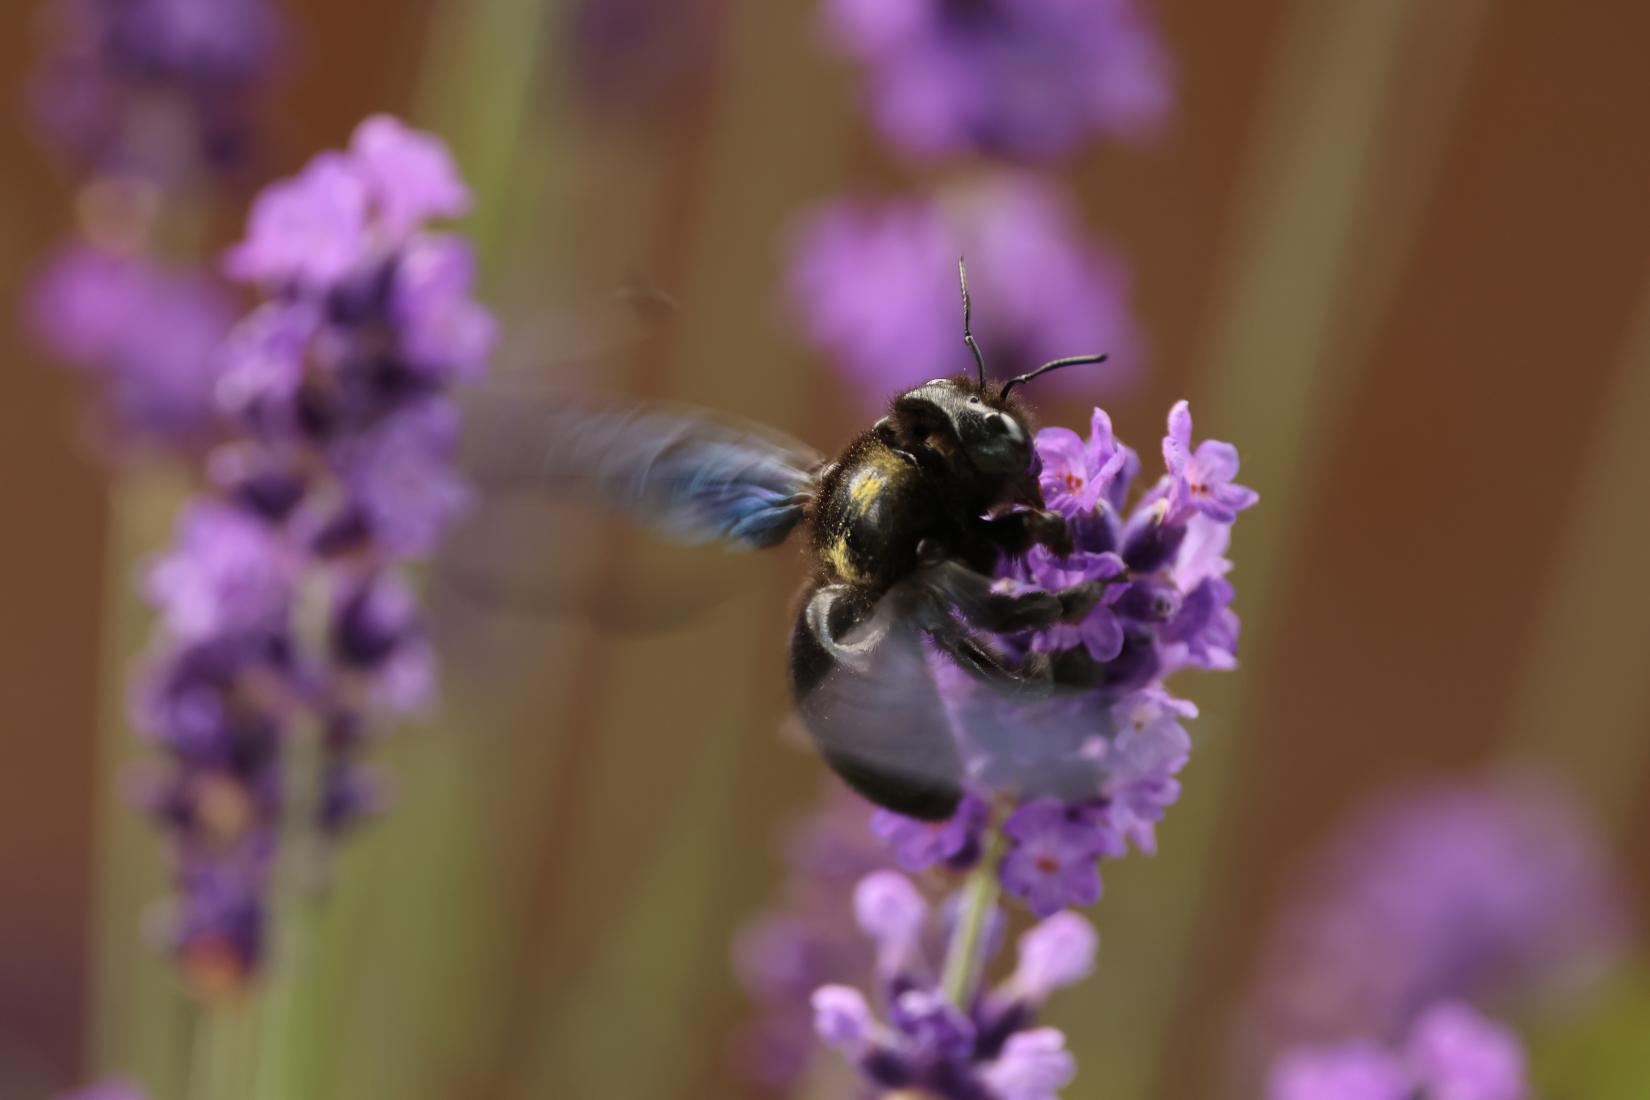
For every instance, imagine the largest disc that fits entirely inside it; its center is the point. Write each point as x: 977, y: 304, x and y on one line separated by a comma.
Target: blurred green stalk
x: 965, y: 956
x: 139, y: 1016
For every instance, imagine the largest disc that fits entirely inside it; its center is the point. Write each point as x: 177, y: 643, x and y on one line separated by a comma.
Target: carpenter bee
x: 905, y: 528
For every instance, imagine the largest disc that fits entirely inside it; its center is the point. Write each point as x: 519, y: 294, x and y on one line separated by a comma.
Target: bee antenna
x: 1069, y: 361
x: 968, y: 316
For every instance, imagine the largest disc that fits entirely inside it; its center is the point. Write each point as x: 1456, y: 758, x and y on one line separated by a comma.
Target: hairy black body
x: 906, y: 528
x: 909, y: 524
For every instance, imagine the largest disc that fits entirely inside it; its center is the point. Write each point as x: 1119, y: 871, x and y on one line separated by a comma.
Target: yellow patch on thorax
x: 840, y: 558
x: 865, y: 488
x: 882, y: 466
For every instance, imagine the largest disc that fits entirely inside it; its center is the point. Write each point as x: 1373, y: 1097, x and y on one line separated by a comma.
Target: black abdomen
x: 884, y: 729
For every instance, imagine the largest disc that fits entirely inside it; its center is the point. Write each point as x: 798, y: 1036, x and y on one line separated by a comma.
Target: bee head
x: 989, y: 425
x: 981, y: 421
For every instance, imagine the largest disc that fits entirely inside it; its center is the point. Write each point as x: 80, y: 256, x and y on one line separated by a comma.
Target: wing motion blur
x: 682, y: 473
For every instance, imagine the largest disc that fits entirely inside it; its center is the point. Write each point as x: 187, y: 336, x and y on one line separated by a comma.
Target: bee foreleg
x: 1032, y: 674
x: 1014, y: 533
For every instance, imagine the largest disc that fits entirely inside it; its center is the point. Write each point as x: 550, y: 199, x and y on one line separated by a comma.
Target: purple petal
x: 411, y: 174
x: 1055, y: 953
x: 842, y: 1019
x: 309, y: 229
x: 1034, y: 1065
x: 1462, y: 1056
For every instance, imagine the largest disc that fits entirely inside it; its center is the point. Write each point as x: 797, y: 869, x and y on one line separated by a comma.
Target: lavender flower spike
x: 861, y: 284
x: 1027, y: 79
x: 1056, y: 784
x: 338, y: 389
x: 987, y: 1047
x: 1452, y: 1054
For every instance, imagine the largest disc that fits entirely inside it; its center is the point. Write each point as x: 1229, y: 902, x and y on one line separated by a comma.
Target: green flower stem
x: 296, y: 893
x: 218, y: 1059
x: 965, y: 958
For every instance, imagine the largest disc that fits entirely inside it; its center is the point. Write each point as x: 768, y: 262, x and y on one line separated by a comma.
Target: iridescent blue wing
x: 682, y: 473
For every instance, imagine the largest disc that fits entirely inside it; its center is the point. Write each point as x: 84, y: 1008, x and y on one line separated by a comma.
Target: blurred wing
x: 681, y: 473
x: 875, y: 714
x: 907, y: 724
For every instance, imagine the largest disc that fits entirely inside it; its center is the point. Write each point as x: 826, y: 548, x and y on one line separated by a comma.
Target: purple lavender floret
x: 1351, y: 1071
x: 1452, y: 1053
x: 807, y: 940
x: 1053, y: 861
x: 862, y: 283
x: 919, y: 845
x: 338, y: 389
x: 990, y: 1049
x: 639, y: 57
x: 1476, y: 890
x: 147, y: 334
x: 1018, y: 78
x: 122, y: 82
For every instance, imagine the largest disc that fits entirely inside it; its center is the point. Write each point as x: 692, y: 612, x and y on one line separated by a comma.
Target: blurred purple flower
x: 410, y: 175
x: 341, y: 470
x: 311, y: 229
x: 1033, y: 1065
x: 865, y: 281
x: 154, y: 88
x: 148, y: 335
x: 918, y: 845
x: 1452, y: 1053
x: 1471, y: 890
x: 808, y: 940
x: 990, y: 1047
x: 1017, y: 78
x: 1351, y: 1071
x: 1462, y: 1056
x: 640, y: 57
x: 107, y: 1090
x: 228, y: 574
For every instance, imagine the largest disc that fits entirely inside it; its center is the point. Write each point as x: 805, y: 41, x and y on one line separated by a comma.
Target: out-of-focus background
x: 1397, y: 251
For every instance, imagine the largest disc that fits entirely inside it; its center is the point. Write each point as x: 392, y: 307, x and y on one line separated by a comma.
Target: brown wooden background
x: 1399, y: 251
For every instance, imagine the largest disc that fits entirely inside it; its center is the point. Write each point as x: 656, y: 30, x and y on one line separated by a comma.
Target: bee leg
x: 1031, y: 676
x: 1014, y: 533
x: 999, y: 608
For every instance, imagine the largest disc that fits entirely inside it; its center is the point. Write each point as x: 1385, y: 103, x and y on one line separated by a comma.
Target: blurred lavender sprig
x: 861, y: 282
x: 1016, y: 78
x: 807, y: 938
x: 1451, y: 1053
x: 145, y: 334
x: 1489, y: 890
x: 284, y: 609
x: 152, y: 88
x: 150, y: 103
x: 919, y: 1037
